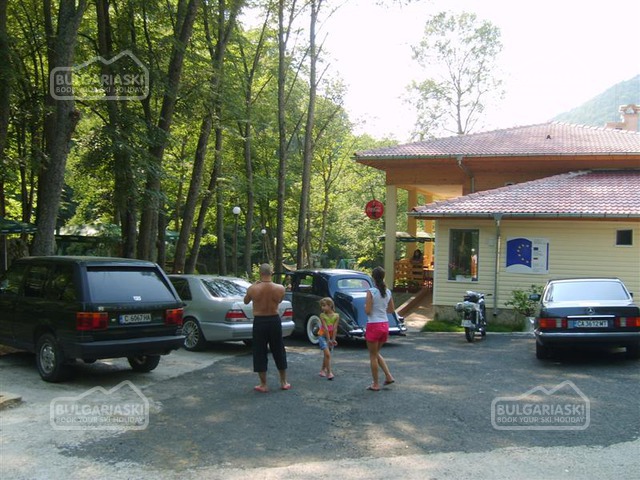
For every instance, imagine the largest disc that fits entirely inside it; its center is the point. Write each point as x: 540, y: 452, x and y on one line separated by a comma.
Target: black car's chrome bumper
x: 359, y: 332
x: 613, y: 338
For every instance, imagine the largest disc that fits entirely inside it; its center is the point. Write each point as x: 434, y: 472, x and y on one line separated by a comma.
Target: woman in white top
x: 378, y: 303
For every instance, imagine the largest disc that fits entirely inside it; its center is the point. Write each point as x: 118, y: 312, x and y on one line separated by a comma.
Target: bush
x: 521, y: 301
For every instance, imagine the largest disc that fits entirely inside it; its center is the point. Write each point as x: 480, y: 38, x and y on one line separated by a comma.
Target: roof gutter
x: 468, y: 172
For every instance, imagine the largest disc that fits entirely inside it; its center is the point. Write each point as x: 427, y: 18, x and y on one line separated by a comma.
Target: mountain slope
x: 604, y: 107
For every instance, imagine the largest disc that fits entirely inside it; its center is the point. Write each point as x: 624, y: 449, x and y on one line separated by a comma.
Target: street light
x: 236, y: 212
x: 264, y: 244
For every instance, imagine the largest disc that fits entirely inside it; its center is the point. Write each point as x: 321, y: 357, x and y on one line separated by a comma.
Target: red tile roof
x: 588, y: 194
x: 544, y: 139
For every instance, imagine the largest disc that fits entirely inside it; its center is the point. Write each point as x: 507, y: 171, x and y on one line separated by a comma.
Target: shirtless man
x: 267, y: 329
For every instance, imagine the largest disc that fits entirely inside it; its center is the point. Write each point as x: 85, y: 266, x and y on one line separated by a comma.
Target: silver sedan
x: 215, y: 310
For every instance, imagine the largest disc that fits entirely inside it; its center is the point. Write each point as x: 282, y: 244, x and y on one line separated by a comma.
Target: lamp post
x: 263, y: 232
x: 236, y: 212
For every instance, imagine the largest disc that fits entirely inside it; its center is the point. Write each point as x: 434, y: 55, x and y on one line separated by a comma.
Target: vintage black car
x: 347, y: 288
x: 586, y: 311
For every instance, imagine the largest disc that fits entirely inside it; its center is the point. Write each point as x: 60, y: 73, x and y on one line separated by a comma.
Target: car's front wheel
x: 193, y: 338
x: 50, y: 359
x: 313, y: 326
x: 144, y: 363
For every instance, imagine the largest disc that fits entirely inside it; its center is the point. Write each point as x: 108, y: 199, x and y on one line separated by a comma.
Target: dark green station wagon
x: 88, y: 308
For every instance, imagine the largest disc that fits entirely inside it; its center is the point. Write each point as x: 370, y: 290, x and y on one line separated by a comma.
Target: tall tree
x: 125, y: 186
x: 284, y: 30
x: 250, y: 68
x: 307, y: 155
x: 151, y: 202
x: 225, y: 24
x: 61, y: 121
x: 461, y: 52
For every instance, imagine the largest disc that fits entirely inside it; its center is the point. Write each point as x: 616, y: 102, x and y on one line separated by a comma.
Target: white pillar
x: 391, y: 225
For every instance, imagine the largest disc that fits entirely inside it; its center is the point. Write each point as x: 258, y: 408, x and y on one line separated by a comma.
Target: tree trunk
x: 60, y: 123
x: 282, y: 132
x: 124, y: 184
x: 307, y: 158
x: 151, y: 200
x: 5, y: 86
x: 192, y: 196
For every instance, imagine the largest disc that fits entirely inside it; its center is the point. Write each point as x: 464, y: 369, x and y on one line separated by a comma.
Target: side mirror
x: 535, y: 297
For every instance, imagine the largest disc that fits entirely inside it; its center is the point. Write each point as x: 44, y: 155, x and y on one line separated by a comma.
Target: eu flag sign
x: 527, y: 255
x: 519, y: 252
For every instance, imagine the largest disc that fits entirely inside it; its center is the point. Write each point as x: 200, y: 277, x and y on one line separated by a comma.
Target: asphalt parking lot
x: 438, y: 419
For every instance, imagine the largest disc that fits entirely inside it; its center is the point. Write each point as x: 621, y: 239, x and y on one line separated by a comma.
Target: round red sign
x: 374, y: 209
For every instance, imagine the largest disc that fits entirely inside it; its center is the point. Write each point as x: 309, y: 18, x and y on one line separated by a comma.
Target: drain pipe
x: 497, y: 217
x: 467, y: 172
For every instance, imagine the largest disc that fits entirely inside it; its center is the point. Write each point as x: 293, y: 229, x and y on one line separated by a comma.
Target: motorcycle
x: 473, y: 314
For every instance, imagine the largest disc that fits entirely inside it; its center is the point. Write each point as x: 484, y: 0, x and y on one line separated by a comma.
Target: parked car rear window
x: 223, y: 288
x: 109, y: 285
x: 571, y: 291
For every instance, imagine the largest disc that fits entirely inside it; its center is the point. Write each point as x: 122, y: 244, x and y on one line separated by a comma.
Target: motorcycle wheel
x: 469, y: 334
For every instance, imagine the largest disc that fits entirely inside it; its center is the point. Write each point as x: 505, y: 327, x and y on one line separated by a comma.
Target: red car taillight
x: 91, y: 321
x: 173, y: 316
x: 235, y: 315
x: 627, y: 322
x: 546, y: 323
x: 288, y: 314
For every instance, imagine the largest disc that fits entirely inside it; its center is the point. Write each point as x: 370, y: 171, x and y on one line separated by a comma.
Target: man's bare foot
x: 286, y: 386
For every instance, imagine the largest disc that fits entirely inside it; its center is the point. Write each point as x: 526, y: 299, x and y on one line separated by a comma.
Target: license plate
x: 591, y: 324
x: 467, y: 323
x: 135, y: 318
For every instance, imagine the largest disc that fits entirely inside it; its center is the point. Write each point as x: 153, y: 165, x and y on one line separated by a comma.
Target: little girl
x: 327, y: 334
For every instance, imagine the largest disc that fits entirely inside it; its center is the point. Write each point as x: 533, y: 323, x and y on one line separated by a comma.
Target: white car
x: 215, y: 310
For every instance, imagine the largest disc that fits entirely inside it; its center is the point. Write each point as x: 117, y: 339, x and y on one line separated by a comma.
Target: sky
x: 557, y: 54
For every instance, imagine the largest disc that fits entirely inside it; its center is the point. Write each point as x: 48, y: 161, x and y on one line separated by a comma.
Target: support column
x: 391, y: 225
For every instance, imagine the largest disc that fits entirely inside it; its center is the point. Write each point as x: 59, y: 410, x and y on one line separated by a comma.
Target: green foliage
x: 441, y: 326
x: 458, y: 52
x: 521, y: 302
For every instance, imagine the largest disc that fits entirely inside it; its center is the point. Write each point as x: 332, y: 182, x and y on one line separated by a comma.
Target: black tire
x: 193, y: 337
x: 144, y: 363
x: 313, y: 325
x: 248, y: 343
x: 50, y: 359
x: 633, y: 352
x: 469, y: 334
x: 543, y: 352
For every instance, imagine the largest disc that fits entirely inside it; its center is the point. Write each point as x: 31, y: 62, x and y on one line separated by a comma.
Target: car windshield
x: 572, y: 291
x: 353, y: 284
x: 219, y: 287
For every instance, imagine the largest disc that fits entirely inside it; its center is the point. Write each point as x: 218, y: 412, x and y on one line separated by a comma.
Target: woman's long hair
x: 378, y: 279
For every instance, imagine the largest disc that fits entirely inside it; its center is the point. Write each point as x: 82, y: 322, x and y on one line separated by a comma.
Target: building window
x: 624, y: 238
x: 463, y: 255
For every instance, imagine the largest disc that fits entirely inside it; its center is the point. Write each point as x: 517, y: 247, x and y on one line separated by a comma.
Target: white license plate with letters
x: 591, y: 324
x: 467, y: 324
x: 135, y: 318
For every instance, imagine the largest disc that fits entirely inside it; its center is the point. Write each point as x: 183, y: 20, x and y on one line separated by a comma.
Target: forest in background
x: 231, y: 117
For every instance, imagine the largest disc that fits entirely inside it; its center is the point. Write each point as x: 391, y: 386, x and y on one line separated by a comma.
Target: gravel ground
x: 31, y: 449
